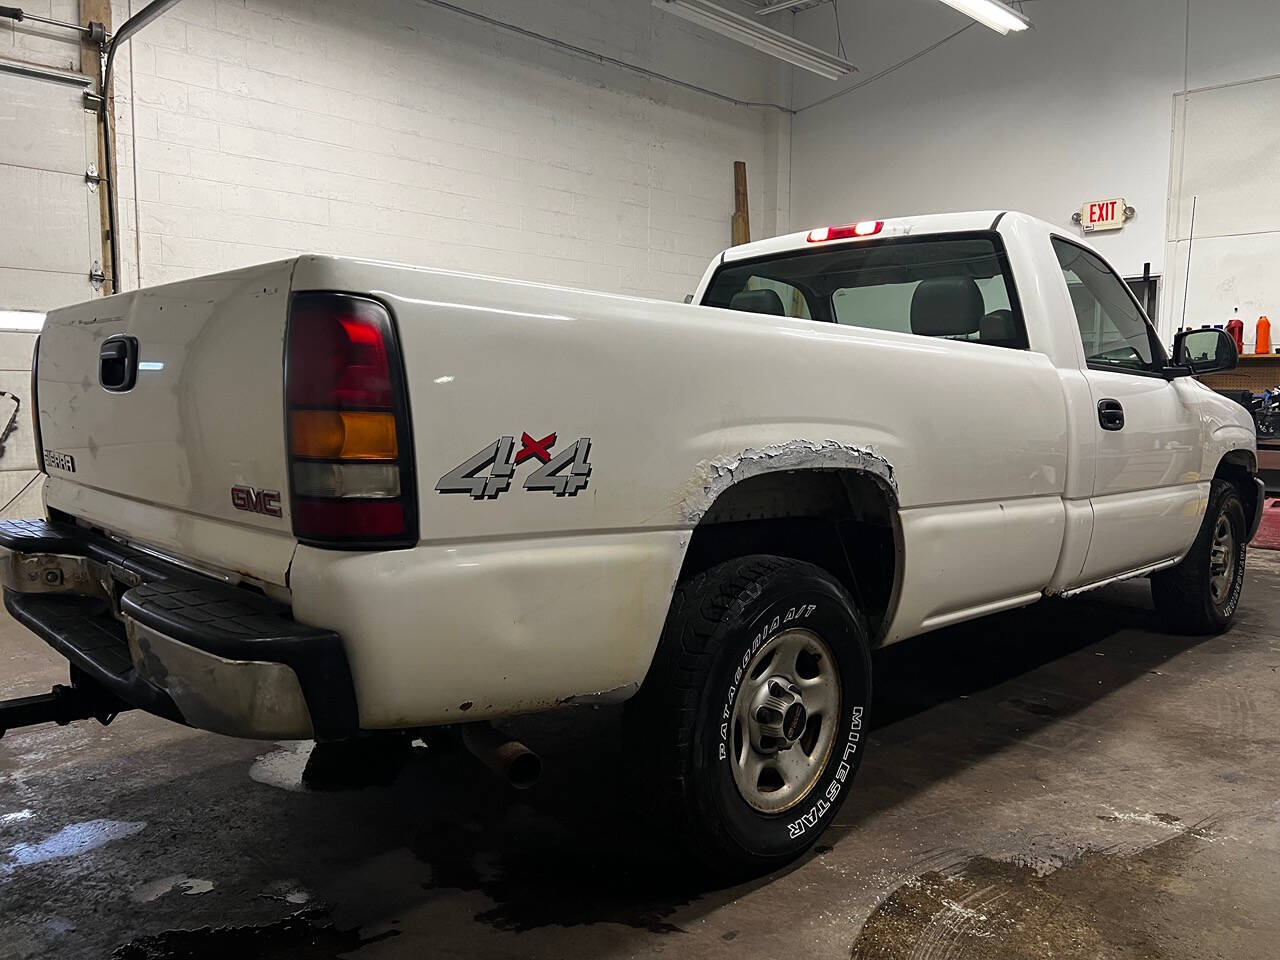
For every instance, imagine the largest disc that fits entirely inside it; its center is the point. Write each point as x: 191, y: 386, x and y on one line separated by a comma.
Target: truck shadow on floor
x: 572, y: 851
x: 979, y: 687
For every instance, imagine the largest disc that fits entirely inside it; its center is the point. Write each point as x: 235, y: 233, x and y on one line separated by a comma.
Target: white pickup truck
x: 326, y: 497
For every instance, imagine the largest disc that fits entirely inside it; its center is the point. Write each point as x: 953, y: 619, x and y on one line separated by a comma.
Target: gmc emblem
x: 256, y: 501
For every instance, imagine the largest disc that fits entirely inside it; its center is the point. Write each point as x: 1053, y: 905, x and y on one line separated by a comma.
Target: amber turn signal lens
x: 343, y: 435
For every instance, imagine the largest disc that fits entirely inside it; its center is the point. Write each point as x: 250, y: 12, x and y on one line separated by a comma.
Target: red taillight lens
x: 350, y: 455
x: 863, y: 228
x: 338, y: 354
x: 349, y: 519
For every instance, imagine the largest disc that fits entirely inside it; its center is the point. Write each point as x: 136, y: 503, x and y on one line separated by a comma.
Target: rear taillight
x: 350, y: 451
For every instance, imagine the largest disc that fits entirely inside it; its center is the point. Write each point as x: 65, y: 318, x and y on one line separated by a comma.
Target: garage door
x: 50, y: 236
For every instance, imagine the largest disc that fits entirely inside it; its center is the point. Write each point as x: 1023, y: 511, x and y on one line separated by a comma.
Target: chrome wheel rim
x: 1222, y: 560
x: 785, y: 717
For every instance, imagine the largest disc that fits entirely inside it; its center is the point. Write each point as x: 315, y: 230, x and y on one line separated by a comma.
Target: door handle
x: 118, y: 363
x: 1110, y: 415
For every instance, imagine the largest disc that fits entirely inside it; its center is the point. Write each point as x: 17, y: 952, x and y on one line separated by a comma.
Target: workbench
x: 1256, y: 372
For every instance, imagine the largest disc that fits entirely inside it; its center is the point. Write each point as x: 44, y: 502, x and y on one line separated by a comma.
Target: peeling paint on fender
x: 716, y: 475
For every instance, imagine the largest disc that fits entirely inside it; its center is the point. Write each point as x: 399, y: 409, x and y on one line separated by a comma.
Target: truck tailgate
x: 189, y: 453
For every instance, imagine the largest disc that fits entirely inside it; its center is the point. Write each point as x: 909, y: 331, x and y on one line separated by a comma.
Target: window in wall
x: 793, y: 302
x: 1147, y: 291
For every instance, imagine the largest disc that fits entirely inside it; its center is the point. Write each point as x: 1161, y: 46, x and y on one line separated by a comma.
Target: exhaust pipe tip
x: 507, y: 757
x: 525, y: 769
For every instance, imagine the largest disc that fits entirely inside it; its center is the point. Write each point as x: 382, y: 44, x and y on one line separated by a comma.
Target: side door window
x: 1115, y: 334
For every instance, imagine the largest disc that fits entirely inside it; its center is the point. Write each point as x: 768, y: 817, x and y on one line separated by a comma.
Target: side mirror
x: 1197, y: 352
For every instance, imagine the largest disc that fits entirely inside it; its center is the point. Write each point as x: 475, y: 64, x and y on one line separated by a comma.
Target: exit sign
x: 1104, y: 215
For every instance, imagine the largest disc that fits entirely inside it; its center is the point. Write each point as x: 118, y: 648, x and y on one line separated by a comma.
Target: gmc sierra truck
x: 327, y: 497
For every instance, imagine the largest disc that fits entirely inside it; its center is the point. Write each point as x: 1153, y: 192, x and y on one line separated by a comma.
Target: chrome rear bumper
x: 173, y: 642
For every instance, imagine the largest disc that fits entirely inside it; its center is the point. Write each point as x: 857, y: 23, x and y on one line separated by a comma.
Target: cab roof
x: 897, y: 227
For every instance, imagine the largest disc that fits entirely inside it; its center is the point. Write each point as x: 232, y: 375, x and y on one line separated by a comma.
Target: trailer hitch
x: 64, y: 704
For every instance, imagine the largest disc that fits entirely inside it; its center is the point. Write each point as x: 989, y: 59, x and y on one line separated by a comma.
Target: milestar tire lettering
x: 820, y: 808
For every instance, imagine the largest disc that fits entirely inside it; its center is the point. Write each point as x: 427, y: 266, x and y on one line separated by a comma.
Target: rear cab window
x: 953, y: 286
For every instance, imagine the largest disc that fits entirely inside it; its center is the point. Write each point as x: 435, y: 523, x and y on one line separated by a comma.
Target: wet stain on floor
x: 305, y: 935
x: 73, y: 840
x: 1103, y: 906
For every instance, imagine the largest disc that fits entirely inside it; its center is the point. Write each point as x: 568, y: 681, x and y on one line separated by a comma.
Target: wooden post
x: 91, y: 64
x: 741, y: 216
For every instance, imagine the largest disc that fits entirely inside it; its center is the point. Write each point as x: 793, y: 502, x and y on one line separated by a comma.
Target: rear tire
x: 749, y: 726
x: 1200, y: 595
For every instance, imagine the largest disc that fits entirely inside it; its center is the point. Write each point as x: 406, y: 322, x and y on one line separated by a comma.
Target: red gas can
x: 1235, y: 330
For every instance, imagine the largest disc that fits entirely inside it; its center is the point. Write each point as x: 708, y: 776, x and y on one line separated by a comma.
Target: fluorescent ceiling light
x: 745, y: 30
x: 991, y: 13
x: 779, y: 5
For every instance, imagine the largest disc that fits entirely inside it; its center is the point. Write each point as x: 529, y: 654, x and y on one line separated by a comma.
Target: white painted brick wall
x: 393, y: 129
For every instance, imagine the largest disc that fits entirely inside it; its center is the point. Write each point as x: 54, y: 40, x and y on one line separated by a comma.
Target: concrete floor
x: 1057, y: 782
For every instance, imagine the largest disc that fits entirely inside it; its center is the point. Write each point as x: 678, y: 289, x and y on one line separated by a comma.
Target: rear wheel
x: 750, y: 721
x: 1200, y: 595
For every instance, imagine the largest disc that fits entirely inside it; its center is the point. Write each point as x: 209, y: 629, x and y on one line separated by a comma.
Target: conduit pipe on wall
x: 109, y: 48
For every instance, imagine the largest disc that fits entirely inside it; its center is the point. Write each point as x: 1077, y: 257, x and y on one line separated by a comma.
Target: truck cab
x: 1135, y: 439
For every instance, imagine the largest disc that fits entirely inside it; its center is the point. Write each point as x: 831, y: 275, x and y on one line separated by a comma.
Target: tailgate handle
x: 118, y: 363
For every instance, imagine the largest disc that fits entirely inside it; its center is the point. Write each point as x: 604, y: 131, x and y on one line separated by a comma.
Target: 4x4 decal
x: 490, y: 471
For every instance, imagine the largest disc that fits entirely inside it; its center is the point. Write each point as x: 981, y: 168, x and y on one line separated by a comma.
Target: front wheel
x: 1200, y: 594
x: 750, y: 725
